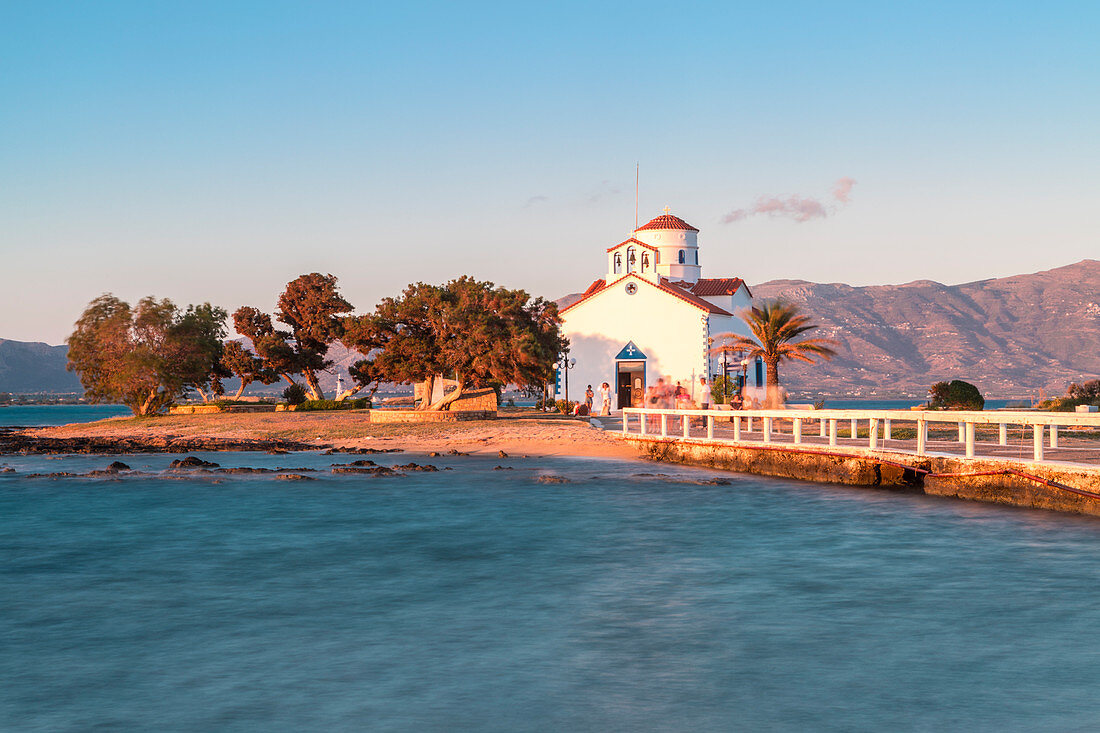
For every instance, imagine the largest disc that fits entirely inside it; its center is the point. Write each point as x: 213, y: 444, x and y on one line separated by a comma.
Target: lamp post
x: 565, y: 364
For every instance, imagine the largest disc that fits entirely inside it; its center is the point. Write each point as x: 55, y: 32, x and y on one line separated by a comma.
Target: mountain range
x: 1010, y: 336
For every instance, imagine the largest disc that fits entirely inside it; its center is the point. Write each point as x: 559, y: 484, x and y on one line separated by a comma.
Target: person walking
x: 588, y: 395
x: 605, y: 399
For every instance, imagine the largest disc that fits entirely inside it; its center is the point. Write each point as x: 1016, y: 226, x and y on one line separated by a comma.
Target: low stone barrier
x: 208, y: 409
x: 1000, y: 481
x: 411, y: 416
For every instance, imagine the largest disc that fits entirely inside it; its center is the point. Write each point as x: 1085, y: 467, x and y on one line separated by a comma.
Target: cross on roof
x: 667, y: 210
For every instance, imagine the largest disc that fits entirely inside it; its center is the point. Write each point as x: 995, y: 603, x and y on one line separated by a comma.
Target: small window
x: 697, y: 257
x: 682, y: 257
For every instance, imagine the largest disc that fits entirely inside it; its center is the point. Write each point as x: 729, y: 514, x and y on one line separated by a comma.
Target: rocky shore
x: 17, y: 442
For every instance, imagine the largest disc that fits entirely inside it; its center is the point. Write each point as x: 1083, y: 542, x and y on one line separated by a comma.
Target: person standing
x: 704, y: 398
x: 605, y: 399
x: 588, y: 395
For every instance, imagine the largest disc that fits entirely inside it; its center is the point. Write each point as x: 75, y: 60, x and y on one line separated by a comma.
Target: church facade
x: 653, y: 315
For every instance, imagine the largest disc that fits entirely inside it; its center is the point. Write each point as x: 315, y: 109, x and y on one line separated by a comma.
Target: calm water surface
x: 476, y: 599
x: 37, y: 415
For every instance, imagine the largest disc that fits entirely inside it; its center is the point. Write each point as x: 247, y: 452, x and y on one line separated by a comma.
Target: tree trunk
x: 315, y: 392
x: 148, y: 401
x: 773, y: 401
x: 341, y: 396
x: 429, y: 387
x: 202, y: 394
x: 445, y: 402
x: 240, y: 390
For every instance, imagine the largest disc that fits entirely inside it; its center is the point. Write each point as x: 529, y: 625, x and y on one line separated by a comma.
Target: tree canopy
x: 148, y: 356
x: 955, y: 395
x: 313, y: 310
x: 473, y: 331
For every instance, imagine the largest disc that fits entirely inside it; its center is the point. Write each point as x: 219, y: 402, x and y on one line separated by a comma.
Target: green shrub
x: 565, y: 407
x: 295, y: 394
x: 321, y: 405
x: 955, y: 395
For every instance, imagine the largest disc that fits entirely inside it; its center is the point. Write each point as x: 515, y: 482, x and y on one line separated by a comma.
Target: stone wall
x: 410, y: 416
x: 990, y: 480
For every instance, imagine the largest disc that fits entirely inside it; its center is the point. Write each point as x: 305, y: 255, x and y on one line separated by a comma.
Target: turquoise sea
x: 38, y: 415
x: 625, y: 596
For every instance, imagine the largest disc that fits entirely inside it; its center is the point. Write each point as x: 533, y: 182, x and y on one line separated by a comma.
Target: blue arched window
x: 682, y: 258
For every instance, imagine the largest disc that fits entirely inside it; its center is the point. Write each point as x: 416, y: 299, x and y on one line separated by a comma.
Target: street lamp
x: 565, y: 364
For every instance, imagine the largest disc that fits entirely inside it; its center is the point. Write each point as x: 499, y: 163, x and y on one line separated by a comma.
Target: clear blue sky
x: 214, y: 151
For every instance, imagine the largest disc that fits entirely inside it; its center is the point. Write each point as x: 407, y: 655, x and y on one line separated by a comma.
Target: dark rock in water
x: 278, y: 451
x: 502, y: 468
x: 502, y: 454
x: 244, y: 469
x: 453, y: 452
x: 294, y: 477
x: 415, y: 467
x: 58, y: 474
x: 433, y: 454
x: 118, y: 466
x: 7, y: 469
x: 551, y: 479
x: 367, y: 470
x: 362, y: 451
x: 360, y: 462
x: 192, y: 462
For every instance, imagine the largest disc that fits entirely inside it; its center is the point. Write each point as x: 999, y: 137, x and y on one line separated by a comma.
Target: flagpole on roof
x: 637, y: 171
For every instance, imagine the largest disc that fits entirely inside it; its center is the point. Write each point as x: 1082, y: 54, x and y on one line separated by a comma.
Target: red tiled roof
x: 667, y: 221
x: 717, y: 286
x: 637, y: 242
x: 690, y: 297
x: 594, y: 288
x: 665, y: 286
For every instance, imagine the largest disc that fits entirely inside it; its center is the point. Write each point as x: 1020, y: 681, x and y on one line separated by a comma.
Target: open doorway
x: 630, y: 383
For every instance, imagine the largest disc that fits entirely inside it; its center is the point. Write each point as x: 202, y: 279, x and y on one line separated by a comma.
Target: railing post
x: 922, y: 437
x: 1003, y: 438
x: 625, y: 428
x: 737, y: 428
x: 886, y: 434
x: 796, y: 429
x: 855, y: 429
x: 832, y: 431
x: 748, y: 423
x: 767, y: 430
x: 642, y: 417
x: 664, y: 425
x: 822, y: 421
x: 687, y: 422
x: 710, y: 427
x: 872, y: 432
x: 969, y: 440
x: 1053, y: 436
x: 962, y: 432
x: 1037, y: 440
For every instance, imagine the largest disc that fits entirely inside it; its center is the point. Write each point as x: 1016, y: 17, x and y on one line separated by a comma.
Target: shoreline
x: 527, y: 433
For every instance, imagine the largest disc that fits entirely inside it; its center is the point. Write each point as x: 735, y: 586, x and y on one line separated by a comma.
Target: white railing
x: 880, y: 424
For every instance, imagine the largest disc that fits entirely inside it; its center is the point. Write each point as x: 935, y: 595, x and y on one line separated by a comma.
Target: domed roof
x: 667, y: 221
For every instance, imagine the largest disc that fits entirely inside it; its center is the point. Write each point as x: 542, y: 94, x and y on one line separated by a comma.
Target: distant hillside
x: 35, y: 367
x: 1010, y: 336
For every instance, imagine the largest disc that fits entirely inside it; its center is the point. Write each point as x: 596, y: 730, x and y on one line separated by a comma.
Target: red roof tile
x: 667, y: 221
x: 637, y: 242
x: 665, y: 286
x: 690, y: 297
x: 717, y: 286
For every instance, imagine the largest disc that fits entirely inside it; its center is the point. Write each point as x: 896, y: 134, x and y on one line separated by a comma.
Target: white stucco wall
x: 671, y: 332
x: 670, y: 242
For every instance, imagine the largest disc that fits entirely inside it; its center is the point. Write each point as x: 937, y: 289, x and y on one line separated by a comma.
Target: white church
x: 653, y: 315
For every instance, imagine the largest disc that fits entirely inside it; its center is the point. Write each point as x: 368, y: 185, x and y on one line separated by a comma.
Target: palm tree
x: 776, y: 324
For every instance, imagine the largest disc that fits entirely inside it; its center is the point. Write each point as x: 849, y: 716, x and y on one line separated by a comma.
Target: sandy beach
x: 520, y: 433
